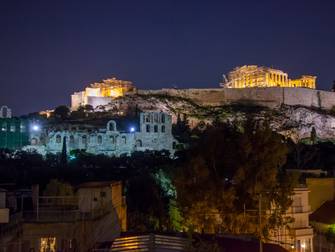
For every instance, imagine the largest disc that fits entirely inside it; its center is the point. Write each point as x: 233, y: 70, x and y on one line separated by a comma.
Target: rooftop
x: 325, y: 213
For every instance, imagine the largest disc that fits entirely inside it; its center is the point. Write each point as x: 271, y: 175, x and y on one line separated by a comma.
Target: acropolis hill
x: 247, y: 85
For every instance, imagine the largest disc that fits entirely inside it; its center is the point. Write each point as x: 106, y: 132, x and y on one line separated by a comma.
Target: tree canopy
x: 219, y: 185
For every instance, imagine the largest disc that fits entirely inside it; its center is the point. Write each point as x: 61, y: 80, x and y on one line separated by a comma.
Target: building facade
x: 259, y: 76
x: 96, y: 212
x: 14, y: 133
x: 150, y: 131
x: 5, y: 112
x: 299, y: 236
x: 101, y: 93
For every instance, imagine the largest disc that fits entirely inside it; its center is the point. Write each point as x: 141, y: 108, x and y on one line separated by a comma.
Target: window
x: 155, y: 128
x: 156, y: 118
x: 163, y: 128
x: 111, y: 126
x: 34, y: 141
x: 163, y: 118
x: 148, y: 128
x: 4, y: 127
x: 4, y: 112
x: 138, y: 143
x: 12, y: 128
x: 124, y: 139
x: 99, y: 139
x: 112, y: 138
x: 102, y: 194
x: 22, y: 128
x: 58, y: 139
x: 147, y: 118
x: 84, y: 139
x: 71, y: 139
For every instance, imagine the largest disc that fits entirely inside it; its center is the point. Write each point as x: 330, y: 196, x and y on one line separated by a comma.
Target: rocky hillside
x: 293, y: 122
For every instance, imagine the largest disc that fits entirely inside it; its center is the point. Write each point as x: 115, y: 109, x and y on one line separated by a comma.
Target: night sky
x: 49, y: 49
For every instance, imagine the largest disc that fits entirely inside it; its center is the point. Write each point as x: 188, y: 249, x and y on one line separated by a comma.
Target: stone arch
x: 34, y: 141
x: 58, y: 139
x: 124, y: 139
x: 111, y: 126
x: 138, y: 143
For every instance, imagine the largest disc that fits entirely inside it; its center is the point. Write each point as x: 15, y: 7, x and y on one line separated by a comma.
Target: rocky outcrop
x: 292, y: 121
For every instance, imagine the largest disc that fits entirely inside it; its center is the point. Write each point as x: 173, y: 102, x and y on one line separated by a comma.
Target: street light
x: 36, y: 127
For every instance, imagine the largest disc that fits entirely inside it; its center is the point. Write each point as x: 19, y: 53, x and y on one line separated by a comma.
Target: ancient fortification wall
x: 269, y: 97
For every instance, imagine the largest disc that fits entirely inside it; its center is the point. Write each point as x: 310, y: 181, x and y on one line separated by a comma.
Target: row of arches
x: 154, y: 118
x: 86, y: 139
x: 155, y: 128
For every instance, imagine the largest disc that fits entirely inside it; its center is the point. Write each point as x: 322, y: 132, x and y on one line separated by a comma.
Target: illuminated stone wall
x: 268, y: 97
x: 153, y: 131
x: 258, y: 76
x: 108, y: 89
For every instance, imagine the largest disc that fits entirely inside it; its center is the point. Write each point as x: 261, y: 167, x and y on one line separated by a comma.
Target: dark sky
x: 49, y: 49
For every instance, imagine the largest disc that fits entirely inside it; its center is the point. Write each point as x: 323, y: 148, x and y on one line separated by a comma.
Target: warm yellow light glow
x: 109, y: 88
x: 255, y: 76
x: 48, y: 244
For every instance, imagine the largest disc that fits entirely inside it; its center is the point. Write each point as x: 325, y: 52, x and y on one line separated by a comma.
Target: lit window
x: 22, y: 128
x: 48, y: 244
x: 84, y: 139
x: 12, y: 128
x: 71, y: 139
x: 4, y: 127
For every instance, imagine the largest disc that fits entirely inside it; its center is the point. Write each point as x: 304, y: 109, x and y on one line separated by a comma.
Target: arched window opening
x: 124, y: 139
x: 34, y: 141
x: 156, y: 118
x: 99, y: 139
x: 58, y: 139
x: 156, y: 128
x: 138, y: 143
x: 111, y: 126
x: 84, y: 139
x: 148, y: 128
x: 163, y: 128
x: 71, y: 139
x: 163, y: 118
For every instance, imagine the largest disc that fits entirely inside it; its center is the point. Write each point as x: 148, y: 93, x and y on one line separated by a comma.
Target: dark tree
x: 225, y: 173
x: 62, y: 112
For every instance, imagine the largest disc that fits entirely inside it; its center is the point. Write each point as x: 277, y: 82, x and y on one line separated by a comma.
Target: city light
x: 35, y: 127
x: 132, y: 129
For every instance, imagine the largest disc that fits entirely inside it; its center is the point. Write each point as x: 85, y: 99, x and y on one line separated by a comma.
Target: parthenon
x: 259, y: 76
